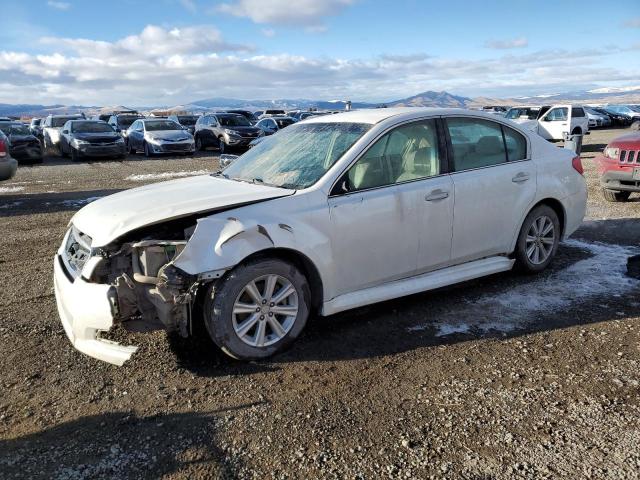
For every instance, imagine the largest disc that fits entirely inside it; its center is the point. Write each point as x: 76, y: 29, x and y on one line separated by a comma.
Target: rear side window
x: 516, y: 144
x: 577, y: 112
x: 476, y: 143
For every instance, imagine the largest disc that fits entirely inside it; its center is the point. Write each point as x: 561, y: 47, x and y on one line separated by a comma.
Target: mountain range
x: 621, y: 95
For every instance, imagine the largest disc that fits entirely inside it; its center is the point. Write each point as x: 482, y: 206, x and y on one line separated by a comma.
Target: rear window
x: 283, y: 122
x: 58, y: 122
x: 127, y: 121
x: 577, y: 112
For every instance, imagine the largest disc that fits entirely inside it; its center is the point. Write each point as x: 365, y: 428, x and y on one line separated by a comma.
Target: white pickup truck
x: 552, y: 122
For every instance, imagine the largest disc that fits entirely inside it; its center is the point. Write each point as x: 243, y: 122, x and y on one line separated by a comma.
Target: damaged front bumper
x: 86, y: 309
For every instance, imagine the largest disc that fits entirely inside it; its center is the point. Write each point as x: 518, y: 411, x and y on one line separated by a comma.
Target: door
x: 555, y: 123
x: 136, y: 135
x: 494, y: 184
x: 380, y: 213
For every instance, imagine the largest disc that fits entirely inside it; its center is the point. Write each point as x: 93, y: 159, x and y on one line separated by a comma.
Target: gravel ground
x: 504, y: 377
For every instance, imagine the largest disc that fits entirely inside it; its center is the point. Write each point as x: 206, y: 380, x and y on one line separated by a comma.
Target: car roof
x: 377, y: 115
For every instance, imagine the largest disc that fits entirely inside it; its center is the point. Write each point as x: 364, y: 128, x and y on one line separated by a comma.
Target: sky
x: 171, y: 52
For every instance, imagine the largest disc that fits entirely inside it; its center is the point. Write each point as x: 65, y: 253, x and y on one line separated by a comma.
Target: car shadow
x: 29, y: 204
x: 491, y: 307
x: 593, y: 147
x: 123, y: 445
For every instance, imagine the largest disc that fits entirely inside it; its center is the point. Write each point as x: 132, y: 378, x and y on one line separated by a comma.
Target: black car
x: 225, y: 131
x: 90, y: 138
x: 23, y: 145
x: 187, y: 121
x: 36, y: 127
x: 122, y: 121
x: 617, y: 119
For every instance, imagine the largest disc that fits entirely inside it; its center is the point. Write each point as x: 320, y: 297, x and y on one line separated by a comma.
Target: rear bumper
x: 85, y: 310
x: 8, y: 168
x: 575, y: 209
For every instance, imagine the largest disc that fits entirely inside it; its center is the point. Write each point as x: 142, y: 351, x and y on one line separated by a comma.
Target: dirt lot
x: 504, y: 377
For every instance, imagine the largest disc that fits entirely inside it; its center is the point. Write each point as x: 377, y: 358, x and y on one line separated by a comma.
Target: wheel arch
x: 302, y: 262
x: 557, y: 207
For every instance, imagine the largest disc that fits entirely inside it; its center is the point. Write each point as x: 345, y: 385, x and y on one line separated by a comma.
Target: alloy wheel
x: 265, y: 310
x: 540, y: 240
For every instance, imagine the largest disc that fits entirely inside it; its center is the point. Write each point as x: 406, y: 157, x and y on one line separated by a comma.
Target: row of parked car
x: 596, y: 116
x: 122, y: 132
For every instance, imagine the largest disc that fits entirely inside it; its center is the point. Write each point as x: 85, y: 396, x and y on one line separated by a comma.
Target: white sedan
x: 329, y: 214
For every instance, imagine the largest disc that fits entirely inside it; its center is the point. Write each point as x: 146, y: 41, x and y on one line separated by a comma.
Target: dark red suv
x: 619, y: 167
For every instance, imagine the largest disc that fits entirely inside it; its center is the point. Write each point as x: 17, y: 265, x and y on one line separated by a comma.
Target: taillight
x: 3, y: 149
x: 576, y: 163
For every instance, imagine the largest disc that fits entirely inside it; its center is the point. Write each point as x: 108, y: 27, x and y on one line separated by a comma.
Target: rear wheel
x: 538, y: 240
x: 613, y: 196
x: 258, y: 309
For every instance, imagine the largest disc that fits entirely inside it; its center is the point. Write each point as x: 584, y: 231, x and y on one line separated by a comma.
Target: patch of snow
x: 78, y: 202
x: 11, y: 189
x: 600, y: 274
x: 143, y: 177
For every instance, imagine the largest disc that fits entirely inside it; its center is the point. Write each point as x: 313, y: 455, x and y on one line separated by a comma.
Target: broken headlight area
x: 150, y: 292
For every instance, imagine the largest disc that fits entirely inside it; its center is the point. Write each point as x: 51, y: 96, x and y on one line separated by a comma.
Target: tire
x: 222, y: 324
x: 635, y: 125
x: 147, y: 150
x: 613, y: 196
x: 130, y: 149
x: 75, y: 157
x: 199, y: 145
x: 63, y: 154
x: 576, y: 131
x: 222, y: 146
x: 545, y: 245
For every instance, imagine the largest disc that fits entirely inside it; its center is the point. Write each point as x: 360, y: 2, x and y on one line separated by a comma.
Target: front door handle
x: 436, y: 195
x: 521, y: 177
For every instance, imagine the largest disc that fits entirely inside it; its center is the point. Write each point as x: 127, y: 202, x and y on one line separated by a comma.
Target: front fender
x: 222, y: 241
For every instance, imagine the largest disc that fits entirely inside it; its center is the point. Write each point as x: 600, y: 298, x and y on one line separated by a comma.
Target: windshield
x: 187, y: 120
x: 298, y: 156
x: 233, y: 121
x: 125, y: 122
x: 58, y: 122
x: 157, y: 125
x: 36, y: 122
x: 17, y: 129
x: 5, y: 127
x: 90, y: 127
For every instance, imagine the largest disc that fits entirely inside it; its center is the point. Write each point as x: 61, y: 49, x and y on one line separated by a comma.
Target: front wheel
x: 75, y: 156
x: 538, y: 240
x: 258, y: 309
x: 147, y: 150
x: 613, y: 196
x: 222, y: 146
x: 199, y: 146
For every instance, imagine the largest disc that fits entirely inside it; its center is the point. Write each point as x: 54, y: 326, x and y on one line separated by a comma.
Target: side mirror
x: 66, y: 132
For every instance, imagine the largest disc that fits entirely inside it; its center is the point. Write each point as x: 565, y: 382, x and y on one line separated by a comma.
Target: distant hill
x: 620, y: 95
x: 432, y: 99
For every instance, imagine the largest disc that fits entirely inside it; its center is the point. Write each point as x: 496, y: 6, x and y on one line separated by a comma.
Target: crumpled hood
x: 109, y: 218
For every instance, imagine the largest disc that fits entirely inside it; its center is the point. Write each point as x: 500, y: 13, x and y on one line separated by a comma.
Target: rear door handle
x: 521, y: 177
x: 436, y: 195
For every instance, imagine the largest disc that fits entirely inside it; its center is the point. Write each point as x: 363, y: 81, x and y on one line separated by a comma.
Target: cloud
x: 632, y: 23
x: 165, y: 66
x: 189, y: 5
x: 307, y: 13
x: 520, y: 42
x: 152, y: 41
x: 268, y: 32
x: 59, y: 5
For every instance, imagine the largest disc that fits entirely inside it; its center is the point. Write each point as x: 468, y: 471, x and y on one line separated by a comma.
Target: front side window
x: 298, y: 156
x: 406, y: 153
x: 557, y: 114
x: 476, y: 143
